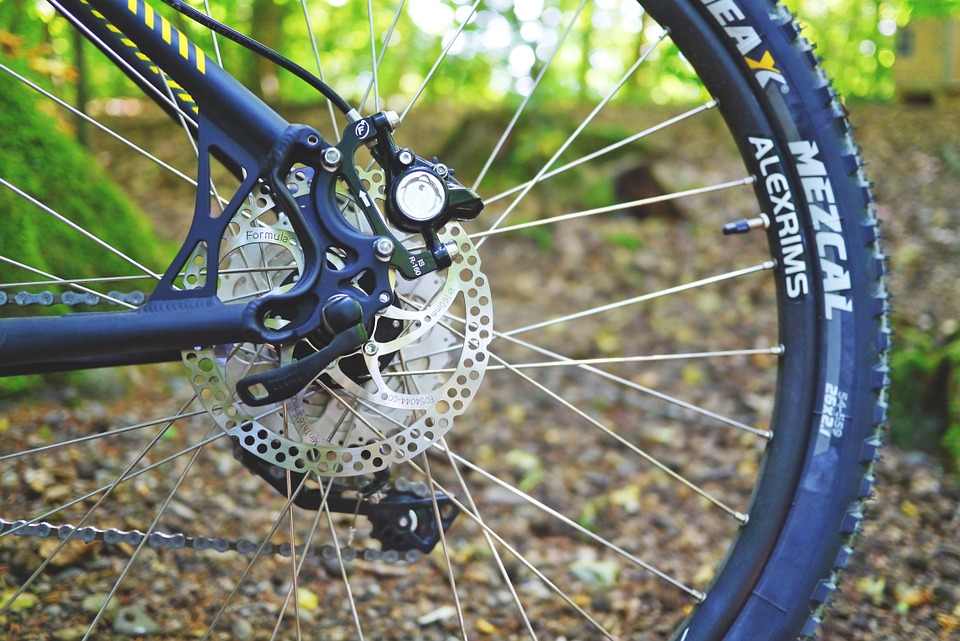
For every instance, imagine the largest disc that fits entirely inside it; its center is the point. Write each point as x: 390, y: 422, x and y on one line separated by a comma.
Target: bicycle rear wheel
x: 675, y: 429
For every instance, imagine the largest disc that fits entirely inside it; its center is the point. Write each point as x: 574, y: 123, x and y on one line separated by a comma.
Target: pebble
x: 132, y: 621
x: 241, y: 629
x: 71, y: 633
x: 440, y: 614
x: 94, y: 602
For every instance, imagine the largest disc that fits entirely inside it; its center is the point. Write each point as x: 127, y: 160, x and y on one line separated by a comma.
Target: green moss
x: 50, y: 166
x: 46, y: 163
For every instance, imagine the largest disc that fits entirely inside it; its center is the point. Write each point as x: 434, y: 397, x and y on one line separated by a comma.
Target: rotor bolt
x: 406, y: 157
x: 384, y: 297
x: 332, y: 158
x: 442, y: 170
x: 370, y: 348
x: 384, y: 248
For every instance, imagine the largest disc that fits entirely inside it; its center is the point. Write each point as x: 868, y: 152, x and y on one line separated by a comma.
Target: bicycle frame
x: 252, y: 140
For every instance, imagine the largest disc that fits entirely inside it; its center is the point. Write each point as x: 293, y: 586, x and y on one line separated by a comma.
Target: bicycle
x: 330, y: 322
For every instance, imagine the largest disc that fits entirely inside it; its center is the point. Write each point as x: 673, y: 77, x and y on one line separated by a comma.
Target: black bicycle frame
x: 257, y: 144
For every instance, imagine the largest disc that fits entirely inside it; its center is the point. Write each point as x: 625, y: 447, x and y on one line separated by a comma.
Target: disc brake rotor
x: 385, y: 403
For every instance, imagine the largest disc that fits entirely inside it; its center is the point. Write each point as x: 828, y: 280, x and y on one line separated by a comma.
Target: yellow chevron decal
x: 766, y: 63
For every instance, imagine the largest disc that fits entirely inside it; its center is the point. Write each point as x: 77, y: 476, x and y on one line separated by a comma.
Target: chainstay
x: 180, y: 541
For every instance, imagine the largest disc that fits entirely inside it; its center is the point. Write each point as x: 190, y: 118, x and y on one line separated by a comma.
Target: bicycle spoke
x: 573, y: 362
x: 488, y: 539
x: 446, y: 550
x: 526, y: 99
x: 579, y: 528
x: 767, y: 266
x: 294, y: 575
x: 374, y: 67
x: 303, y: 557
x: 583, y: 125
x: 316, y: 57
x: 96, y: 123
x: 483, y: 235
x: 443, y: 55
x: 80, y: 499
x: 334, y: 540
x: 383, y: 51
x: 80, y: 230
x: 57, y: 281
x: 143, y: 542
x: 602, y: 152
x: 253, y: 560
x: 93, y: 437
x: 86, y: 517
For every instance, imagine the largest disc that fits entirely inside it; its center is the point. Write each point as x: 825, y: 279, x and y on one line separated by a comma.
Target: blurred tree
x: 855, y: 36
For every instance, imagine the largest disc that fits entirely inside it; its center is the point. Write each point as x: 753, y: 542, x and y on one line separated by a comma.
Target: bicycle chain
x: 180, y: 541
x: 71, y: 299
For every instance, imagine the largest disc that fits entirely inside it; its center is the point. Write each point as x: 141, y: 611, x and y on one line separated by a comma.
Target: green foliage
x: 925, y: 392
x: 856, y: 37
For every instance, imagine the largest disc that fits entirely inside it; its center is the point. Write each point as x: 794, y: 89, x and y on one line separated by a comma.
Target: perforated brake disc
x: 381, y: 405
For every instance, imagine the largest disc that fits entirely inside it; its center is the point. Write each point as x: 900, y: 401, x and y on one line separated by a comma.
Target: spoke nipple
x: 778, y: 350
x: 743, y: 518
x: 332, y: 158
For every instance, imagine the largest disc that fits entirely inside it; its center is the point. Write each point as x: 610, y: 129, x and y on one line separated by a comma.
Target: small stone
x: 94, y: 603
x: 25, y: 601
x: 440, y: 614
x: 71, y: 633
x: 602, y: 574
x: 132, y: 621
x: 307, y: 600
x: 241, y: 629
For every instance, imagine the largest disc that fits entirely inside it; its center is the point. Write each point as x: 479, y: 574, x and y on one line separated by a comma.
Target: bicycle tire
x: 778, y: 569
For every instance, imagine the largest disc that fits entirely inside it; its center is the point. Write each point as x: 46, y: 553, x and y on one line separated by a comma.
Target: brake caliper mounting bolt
x: 332, y: 158
x: 406, y: 157
x: 453, y: 249
x: 393, y: 119
x: 384, y: 248
x: 442, y: 170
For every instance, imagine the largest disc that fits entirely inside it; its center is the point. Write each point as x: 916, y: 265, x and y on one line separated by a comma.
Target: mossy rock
x: 49, y: 165
x: 42, y: 160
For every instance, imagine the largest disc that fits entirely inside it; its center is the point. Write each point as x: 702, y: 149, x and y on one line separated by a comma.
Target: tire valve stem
x: 746, y: 225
